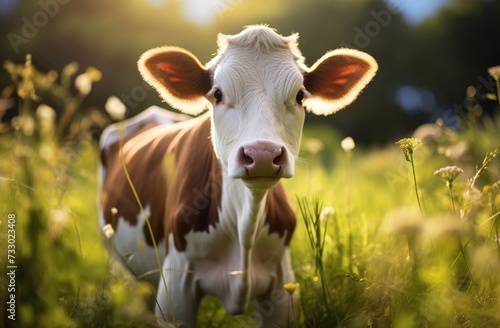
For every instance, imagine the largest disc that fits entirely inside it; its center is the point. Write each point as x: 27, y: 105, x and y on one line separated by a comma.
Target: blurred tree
x: 424, y: 69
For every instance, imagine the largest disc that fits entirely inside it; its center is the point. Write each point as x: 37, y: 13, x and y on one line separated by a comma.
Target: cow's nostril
x: 280, y: 159
x: 248, y: 159
x: 245, y: 157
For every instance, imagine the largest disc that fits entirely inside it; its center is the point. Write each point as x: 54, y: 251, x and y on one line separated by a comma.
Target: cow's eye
x: 299, y: 97
x: 218, y: 96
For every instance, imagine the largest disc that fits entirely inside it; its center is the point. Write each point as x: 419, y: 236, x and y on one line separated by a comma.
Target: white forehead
x: 260, y: 39
x: 258, y: 55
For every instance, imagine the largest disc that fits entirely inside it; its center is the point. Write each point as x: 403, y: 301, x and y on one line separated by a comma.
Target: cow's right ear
x: 178, y: 76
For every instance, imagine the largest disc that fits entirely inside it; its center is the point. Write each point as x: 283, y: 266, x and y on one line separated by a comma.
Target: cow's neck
x: 244, y: 211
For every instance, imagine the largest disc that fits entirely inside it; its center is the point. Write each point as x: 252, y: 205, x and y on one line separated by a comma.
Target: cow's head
x: 258, y: 89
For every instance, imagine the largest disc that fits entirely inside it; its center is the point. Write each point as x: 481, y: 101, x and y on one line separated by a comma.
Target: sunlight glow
x: 200, y: 12
x: 157, y: 2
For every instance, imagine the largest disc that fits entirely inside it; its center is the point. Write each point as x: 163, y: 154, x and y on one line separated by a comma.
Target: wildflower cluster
x: 409, y: 145
x: 68, y: 119
x: 47, y: 168
x: 448, y: 174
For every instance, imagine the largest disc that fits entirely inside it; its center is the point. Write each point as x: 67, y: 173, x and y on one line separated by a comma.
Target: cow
x: 210, y: 186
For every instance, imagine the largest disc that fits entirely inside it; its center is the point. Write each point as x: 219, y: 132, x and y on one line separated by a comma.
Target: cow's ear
x: 178, y: 76
x: 336, y: 79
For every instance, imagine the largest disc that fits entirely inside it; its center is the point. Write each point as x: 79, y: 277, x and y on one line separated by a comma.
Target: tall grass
x: 350, y: 253
x: 64, y: 275
x: 316, y: 228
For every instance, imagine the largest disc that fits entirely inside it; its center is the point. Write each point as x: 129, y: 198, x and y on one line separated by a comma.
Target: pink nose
x: 262, y: 159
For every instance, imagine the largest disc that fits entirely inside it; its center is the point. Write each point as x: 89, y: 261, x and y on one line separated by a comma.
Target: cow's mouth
x: 261, y: 182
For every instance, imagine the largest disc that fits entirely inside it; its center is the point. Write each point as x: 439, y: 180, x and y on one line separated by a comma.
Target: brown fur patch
x: 144, y: 167
x: 279, y: 214
x: 194, y: 184
x: 174, y: 171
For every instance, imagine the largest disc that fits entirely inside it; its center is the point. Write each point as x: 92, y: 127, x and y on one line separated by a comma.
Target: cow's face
x: 257, y: 113
x: 257, y: 86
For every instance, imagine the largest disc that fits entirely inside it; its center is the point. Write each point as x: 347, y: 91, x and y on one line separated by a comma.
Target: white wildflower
x: 348, y: 144
x: 83, y: 84
x: 58, y: 220
x: 115, y: 108
x: 448, y: 173
x: 46, y: 117
x: 327, y: 213
x: 45, y: 113
x: 108, y: 231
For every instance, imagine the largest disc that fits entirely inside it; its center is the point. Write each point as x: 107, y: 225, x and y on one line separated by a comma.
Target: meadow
x: 402, y: 235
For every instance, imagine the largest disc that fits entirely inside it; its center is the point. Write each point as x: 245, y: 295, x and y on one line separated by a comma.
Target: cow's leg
x: 276, y: 308
x: 184, y: 295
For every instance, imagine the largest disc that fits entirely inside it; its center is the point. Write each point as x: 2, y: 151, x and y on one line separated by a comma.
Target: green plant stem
x: 413, y: 257
x: 319, y: 265
x: 414, y: 263
x: 292, y: 317
x: 143, y: 213
x: 450, y: 187
x: 415, y: 182
x: 462, y: 249
x: 411, y: 246
x: 349, y: 198
x: 317, y: 238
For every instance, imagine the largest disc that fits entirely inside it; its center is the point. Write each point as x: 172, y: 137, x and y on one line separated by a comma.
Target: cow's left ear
x: 336, y: 79
x: 178, y: 76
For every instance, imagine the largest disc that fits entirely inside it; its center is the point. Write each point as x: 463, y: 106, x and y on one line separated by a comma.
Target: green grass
x: 364, y: 254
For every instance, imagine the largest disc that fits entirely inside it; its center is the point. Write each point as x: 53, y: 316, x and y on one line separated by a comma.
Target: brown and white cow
x: 211, y: 185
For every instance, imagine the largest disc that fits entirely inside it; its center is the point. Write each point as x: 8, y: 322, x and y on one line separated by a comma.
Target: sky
x: 416, y: 11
